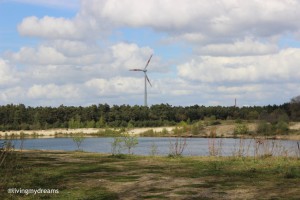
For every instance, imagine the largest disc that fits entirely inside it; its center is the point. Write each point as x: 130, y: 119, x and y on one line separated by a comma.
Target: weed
x: 177, y: 147
x: 215, y: 147
x: 116, y: 146
x: 153, y: 149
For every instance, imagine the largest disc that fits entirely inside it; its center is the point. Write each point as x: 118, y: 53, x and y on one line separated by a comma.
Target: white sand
x: 87, y: 131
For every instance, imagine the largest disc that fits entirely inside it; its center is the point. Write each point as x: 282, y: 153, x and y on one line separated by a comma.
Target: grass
x: 80, y: 175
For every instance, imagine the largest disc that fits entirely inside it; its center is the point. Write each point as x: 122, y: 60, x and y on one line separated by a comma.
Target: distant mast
x: 235, y: 102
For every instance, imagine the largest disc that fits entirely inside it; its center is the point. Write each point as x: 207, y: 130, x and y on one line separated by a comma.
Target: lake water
x: 194, y: 146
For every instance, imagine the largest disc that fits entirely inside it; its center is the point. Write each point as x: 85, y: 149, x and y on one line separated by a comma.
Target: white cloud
x: 280, y: 67
x: 42, y: 55
x: 7, y: 73
x: 130, y: 56
x: 50, y: 27
x: 247, y: 47
x: 116, y: 86
x: 73, y: 61
x: 193, y: 20
x: 14, y: 94
x: 71, y: 48
x: 210, y: 18
x: 52, y: 91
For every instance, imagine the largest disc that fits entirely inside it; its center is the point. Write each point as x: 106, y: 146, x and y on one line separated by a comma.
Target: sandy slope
x: 295, y: 126
x: 225, y: 130
x: 53, y: 132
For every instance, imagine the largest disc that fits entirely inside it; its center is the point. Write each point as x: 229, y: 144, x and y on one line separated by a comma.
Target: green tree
x: 75, y: 122
x: 91, y: 124
x: 101, y: 123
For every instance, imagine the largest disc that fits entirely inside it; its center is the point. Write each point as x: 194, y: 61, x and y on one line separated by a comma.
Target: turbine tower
x: 146, y: 79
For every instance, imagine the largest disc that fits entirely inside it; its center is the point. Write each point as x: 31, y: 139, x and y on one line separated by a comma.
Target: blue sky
x: 75, y: 52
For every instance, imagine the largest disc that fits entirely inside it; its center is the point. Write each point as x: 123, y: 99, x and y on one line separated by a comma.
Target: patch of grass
x: 158, y: 190
x: 127, y: 178
x: 186, y: 192
x: 292, y: 172
x: 99, y: 193
x: 154, y: 197
x: 198, y: 185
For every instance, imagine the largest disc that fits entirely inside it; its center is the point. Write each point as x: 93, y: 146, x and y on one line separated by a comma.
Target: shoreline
x: 140, y: 132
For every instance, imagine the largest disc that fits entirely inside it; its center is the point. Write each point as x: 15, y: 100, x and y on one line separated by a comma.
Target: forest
x: 21, y: 117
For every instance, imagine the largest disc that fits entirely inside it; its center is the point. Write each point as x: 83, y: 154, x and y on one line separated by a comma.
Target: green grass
x: 81, y: 175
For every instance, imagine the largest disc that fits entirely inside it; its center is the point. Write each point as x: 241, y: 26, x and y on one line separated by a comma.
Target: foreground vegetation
x: 80, y: 175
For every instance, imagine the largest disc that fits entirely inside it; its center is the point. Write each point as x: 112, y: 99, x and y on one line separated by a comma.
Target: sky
x: 205, y: 52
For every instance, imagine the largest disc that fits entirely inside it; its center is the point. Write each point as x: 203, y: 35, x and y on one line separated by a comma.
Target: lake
x: 162, y: 145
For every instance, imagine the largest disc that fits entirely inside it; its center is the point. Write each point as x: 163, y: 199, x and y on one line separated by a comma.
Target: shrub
x: 282, y: 127
x: 263, y: 128
x: 125, y: 141
x: 177, y: 146
x: 116, y: 146
x: 241, y: 129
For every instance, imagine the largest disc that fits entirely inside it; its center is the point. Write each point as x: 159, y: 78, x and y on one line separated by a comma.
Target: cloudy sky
x: 205, y: 52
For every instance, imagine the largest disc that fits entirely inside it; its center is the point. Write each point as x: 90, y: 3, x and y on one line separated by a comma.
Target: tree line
x: 21, y: 117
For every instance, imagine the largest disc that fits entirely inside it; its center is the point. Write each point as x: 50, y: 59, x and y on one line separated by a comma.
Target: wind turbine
x: 146, y: 79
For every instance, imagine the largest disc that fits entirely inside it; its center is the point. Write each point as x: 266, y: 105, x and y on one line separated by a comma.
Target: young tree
x: 116, y: 146
x: 78, y: 139
x: 130, y: 141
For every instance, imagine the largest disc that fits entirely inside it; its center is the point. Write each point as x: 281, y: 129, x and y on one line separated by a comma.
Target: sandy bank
x: 87, y: 131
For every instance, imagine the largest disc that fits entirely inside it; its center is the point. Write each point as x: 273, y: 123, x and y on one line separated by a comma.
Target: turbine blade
x: 136, y: 70
x: 148, y: 80
x: 148, y: 61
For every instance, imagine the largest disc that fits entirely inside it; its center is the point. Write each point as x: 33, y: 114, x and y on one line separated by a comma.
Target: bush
x: 263, y: 127
x: 241, y: 129
x: 197, y: 128
x: 282, y: 127
x: 125, y: 141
